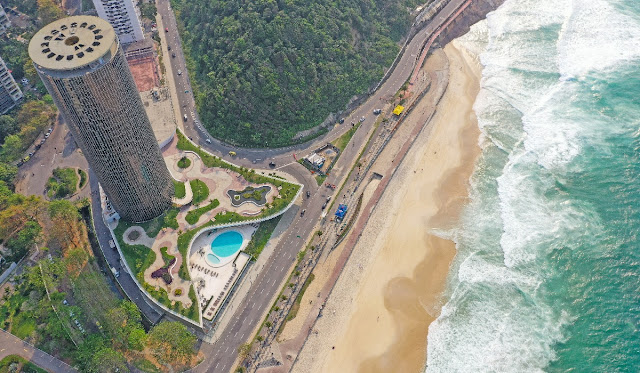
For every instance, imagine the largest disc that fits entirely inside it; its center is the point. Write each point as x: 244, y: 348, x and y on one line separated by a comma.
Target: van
x: 185, y: 117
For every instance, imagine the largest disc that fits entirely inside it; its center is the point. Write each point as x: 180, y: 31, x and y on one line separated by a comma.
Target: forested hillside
x: 263, y: 70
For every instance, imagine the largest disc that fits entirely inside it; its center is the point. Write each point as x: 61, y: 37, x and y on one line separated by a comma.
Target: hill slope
x: 264, y: 70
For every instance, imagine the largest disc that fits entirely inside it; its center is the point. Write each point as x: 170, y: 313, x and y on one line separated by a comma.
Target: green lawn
x: 138, y: 257
x: 261, y: 236
x: 154, y: 226
x: 193, y: 215
x: 200, y: 191
x: 180, y: 190
x: 342, y: 141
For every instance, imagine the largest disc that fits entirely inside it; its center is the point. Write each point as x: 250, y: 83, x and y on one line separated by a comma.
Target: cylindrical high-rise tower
x: 80, y: 61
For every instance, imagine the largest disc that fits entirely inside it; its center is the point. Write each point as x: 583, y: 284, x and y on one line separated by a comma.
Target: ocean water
x: 547, y: 275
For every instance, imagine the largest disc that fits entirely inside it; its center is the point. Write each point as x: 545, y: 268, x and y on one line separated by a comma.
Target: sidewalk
x: 12, y: 345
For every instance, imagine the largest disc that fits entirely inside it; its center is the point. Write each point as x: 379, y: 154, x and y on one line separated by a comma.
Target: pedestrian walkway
x: 12, y: 345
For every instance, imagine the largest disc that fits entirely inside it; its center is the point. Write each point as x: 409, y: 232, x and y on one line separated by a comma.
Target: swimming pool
x: 226, y: 244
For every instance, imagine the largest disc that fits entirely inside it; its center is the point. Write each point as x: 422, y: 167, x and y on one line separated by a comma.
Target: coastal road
x: 12, y: 345
x: 260, y: 158
x: 220, y: 356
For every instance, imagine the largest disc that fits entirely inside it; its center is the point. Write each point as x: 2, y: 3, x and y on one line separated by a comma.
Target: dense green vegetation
x: 264, y: 70
x: 179, y: 188
x: 193, y: 215
x: 63, y: 183
x: 200, y: 191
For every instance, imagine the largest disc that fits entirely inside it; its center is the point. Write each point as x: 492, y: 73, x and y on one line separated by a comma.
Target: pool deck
x: 212, y: 284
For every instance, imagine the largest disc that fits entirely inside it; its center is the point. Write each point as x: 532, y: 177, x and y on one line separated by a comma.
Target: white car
x: 361, y: 119
x: 208, y: 141
x: 179, y: 72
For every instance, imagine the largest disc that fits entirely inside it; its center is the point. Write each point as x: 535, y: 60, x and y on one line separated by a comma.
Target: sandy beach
x: 377, y: 318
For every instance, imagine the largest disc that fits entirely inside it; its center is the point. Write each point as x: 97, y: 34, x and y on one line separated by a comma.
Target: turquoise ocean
x: 547, y: 275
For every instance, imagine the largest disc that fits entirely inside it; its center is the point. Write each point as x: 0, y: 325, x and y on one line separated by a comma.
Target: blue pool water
x: 226, y: 244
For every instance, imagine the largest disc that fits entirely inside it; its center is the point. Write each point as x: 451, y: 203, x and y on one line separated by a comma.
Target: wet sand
x: 377, y: 320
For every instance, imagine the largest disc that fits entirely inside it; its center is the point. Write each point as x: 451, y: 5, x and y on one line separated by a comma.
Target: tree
x: 67, y: 230
x: 12, y: 147
x: 243, y: 351
x: 108, y: 360
x: 137, y: 339
x: 48, y: 11
x: 8, y: 173
x: 171, y: 342
x: 8, y: 126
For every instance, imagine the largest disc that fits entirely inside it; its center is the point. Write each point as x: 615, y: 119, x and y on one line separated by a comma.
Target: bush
x: 184, y: 162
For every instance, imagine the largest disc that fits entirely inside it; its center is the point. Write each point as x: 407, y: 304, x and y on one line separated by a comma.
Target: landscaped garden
x: 249, y: 194
x: 209, y: 178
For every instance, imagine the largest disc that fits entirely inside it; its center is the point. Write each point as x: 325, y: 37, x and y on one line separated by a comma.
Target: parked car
x: 324, y: 205
x: 46, y: 136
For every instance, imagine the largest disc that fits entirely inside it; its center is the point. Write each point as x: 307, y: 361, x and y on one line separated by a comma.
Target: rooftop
x: 71, y: 42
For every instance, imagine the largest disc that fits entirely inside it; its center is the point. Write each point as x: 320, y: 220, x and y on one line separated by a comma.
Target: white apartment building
x: 10, y: 93
x: 4, y: 21
x: 123, y: 16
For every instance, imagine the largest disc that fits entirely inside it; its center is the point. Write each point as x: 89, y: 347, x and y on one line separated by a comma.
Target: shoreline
x: 380, y: 311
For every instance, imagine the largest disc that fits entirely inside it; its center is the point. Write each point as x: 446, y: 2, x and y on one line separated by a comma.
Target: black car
x: 168, y: 47
x: 272, y: 164
x: 324, y: 205
x: 173, y: 55
x: 302, y: 213
x: 308, y: 194
x: 341, y: 120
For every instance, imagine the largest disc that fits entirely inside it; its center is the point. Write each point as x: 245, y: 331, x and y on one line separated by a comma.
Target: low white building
x: 124, y: 16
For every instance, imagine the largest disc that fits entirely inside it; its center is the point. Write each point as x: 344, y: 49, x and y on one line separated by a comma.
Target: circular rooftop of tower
x: 71, y: 42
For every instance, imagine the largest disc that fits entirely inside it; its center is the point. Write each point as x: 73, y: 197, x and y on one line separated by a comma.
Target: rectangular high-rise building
x: 10, y: 93
x: 123, y: 17
x: 4, y: 21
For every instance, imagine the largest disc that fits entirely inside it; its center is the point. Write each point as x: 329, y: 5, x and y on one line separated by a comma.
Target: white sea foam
x: 496, y: 319
x: 596, y: 37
